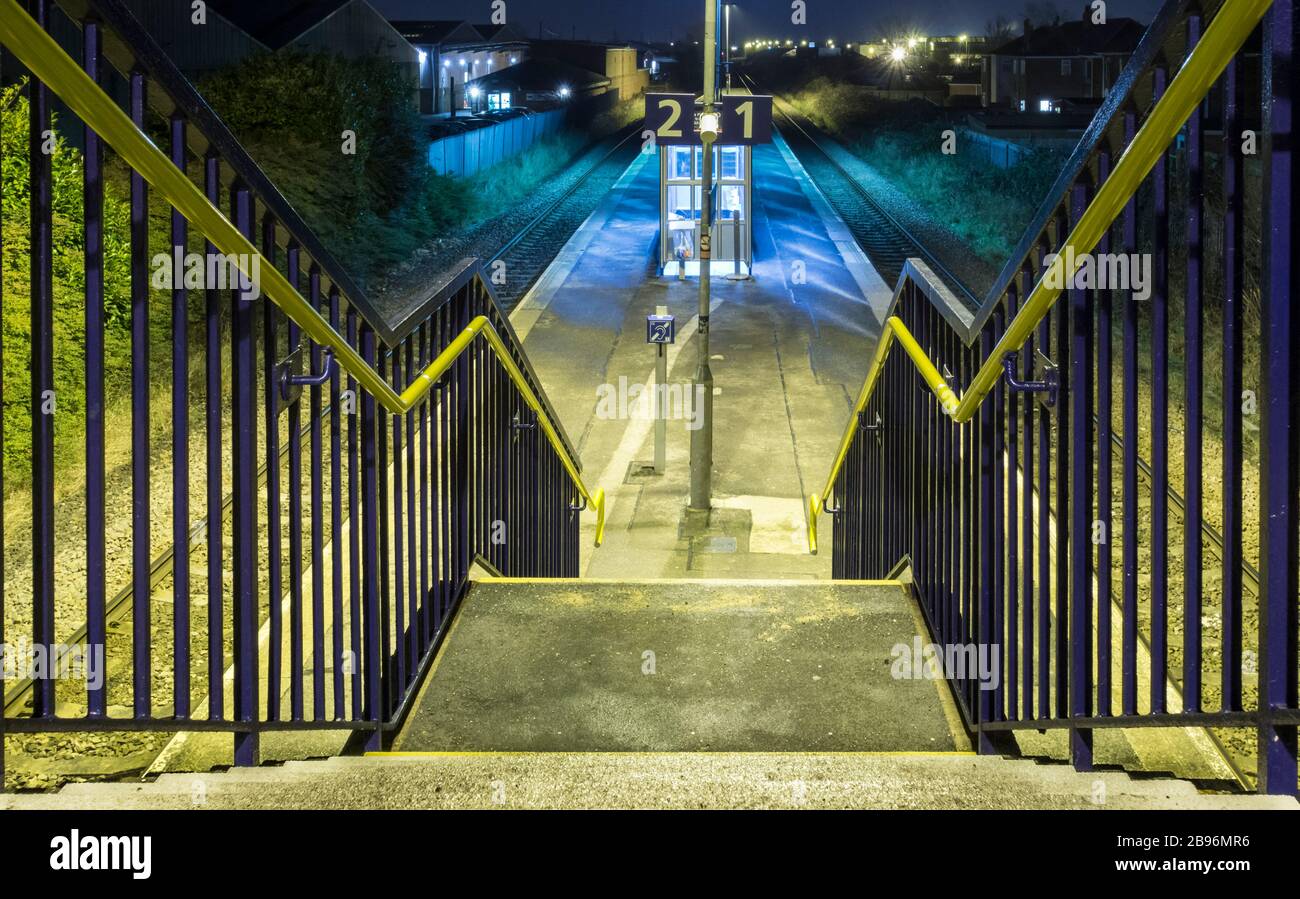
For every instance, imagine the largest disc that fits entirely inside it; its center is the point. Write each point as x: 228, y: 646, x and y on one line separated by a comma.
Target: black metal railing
x: 1097, y: 525
x: 317, y: 541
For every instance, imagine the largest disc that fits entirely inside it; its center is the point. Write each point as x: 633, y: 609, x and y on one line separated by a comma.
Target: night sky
x: 841, y: 20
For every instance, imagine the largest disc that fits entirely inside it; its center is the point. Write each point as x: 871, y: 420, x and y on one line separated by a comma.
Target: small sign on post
x: 660, y: 331
x: 660, y: 328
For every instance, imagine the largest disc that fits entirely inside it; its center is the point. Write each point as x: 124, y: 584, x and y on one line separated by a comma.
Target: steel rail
x: 48, y: 62
x: 119, y: 607
x: 537, y: 219
x: 930, y: 259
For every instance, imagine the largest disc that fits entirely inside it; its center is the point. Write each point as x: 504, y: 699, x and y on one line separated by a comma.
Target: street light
x: 898, y: 54
x: 564, y: 92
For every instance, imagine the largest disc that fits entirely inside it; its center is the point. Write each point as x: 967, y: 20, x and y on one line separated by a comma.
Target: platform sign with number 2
x: 674, y: 119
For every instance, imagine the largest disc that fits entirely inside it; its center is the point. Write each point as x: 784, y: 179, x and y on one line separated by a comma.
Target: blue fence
x: 471, y: 152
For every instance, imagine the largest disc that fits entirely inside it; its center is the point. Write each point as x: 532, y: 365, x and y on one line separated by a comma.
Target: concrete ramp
x: 681, y: 665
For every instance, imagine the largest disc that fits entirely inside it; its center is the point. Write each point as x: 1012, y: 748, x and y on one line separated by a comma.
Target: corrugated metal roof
x: 276, y: 23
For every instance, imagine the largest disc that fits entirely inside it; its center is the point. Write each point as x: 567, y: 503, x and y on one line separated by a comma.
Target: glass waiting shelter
x: 681, y: 197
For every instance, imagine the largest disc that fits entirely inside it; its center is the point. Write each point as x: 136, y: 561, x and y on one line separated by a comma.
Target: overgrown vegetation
x: 986, y: 207
x: 68, y: 257
x: 373, y: 207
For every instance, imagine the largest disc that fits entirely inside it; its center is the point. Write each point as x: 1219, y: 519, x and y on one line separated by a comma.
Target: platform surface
x: 789, y: 350
x: 678, y: 666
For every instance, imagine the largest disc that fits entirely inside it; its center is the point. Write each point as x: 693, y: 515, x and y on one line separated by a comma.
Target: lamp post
x: 726, y: 42
x: 702, y: 437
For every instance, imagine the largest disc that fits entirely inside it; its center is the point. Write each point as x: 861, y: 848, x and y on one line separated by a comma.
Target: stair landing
x: 678, y: 666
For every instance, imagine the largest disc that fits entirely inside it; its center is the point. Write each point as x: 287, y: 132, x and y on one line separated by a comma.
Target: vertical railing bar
x: 412, y: 568
x: 985, y: 524
x: 385, y: 587
x: 243, y: 373
x: 1105, y: 458
x: 336, y: 518
x: 317, y: 475
x: 1193, y: 399
x: 1076, y: 430
x: 1060, y: 322
x: 141, y: 555
x: 371, y: 516
x: 1279, y: 378
x: 1044, y: 532
x: 93, y: 209
x: 997, y: 462
x: 1132, y: 501
x: 399, y: 538
x: 180, y: 450
x: 1160, y: 422
x: 214, y: 465
x: 296, y: 661
x: 355, y: 526
x: 426, y: 618
x: 1233, y: 283
x: 1014, y: 473
x: 42, y: 372
x: 271, y: 403
x: 1027, y: 519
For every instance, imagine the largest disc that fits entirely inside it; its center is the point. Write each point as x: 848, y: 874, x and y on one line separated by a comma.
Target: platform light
x: 710, y: 122
x: 514, y: 59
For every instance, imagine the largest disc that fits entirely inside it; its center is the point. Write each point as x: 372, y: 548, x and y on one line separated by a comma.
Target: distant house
x: 622, y: 64
x: 453, y: 53
x: 237, y: 29
x: 539, y: 84
x: 1052, y: 64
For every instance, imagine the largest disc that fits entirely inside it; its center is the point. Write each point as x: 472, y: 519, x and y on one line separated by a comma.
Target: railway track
x: 526, y: 255
x: 18, y: 699
x: 885, y: 240
x: 530, y: 250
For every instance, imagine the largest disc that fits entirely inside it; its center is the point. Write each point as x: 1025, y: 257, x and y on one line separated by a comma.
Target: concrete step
x: 721, y: 780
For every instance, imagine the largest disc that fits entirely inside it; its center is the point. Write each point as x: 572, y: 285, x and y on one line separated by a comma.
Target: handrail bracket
x: 1047, y: 379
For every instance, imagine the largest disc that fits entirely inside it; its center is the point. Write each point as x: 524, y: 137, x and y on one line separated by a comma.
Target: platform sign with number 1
x: 674, y: 118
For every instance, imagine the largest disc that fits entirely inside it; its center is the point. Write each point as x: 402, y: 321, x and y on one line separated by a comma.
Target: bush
x: 372, y: 209
x: 68, y: 238
x: 985, y: 206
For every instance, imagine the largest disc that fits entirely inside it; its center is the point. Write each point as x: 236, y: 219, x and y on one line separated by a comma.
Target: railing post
x: 93, y: 212
x: 983, y: 707
x: 374, y: 664
x: 1279, y: 470
x: 42, y: 380
x: 1078, y: 394
x: 243, y: 411
x: 141, y: 550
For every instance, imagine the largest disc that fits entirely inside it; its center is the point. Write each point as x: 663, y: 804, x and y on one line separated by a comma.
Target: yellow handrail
x: 45, y: 59
x: 1225, y: 35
